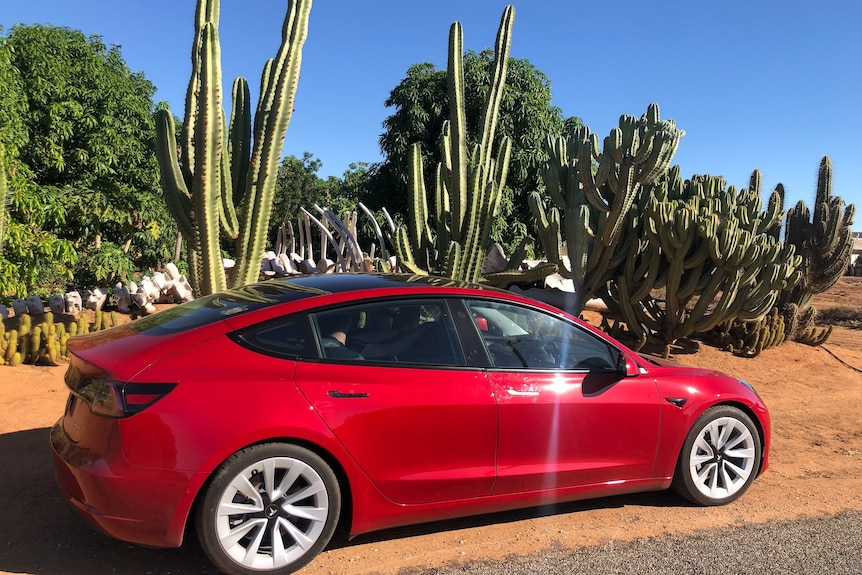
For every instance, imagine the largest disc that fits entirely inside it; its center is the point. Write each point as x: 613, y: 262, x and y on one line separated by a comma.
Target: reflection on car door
x: 562, y: 425
x: 421, y: 433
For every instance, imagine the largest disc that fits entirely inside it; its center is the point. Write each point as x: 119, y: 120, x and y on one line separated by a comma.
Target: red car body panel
x: 430, y: 441
x: 560, y: 430
x: 453, y: 442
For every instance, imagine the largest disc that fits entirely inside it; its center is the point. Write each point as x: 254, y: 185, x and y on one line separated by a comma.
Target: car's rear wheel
x: 720, y: 457
x: 270, y: 509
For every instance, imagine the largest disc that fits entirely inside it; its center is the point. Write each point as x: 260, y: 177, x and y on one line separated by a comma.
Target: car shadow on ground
x: 42, y: 536
x: 652, y: 499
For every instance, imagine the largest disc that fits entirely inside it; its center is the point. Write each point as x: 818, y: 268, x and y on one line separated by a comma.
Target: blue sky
x: 754, y: 83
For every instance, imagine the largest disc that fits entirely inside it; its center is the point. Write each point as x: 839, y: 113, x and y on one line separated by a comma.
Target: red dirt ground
x: 814, y: 395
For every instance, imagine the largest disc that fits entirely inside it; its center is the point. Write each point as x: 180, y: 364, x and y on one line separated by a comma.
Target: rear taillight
x: 117, y: 399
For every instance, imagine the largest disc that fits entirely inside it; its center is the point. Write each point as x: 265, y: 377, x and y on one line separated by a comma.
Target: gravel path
x: 831, y: 545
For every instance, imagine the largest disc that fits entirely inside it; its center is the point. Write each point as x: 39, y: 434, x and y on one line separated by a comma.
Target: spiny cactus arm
x: 453, y: 264
x: 479, y: 191
x: 176, y: 194
x: 770, y: 220
x: 457, y: 127
x: 823, y: 195
x: 207, y: 11
x: 519, y: 255
x: 593, y: 184
x: 209, y: 142
x: 499, y: 170
x: 548, y: 228
x: 4, y: 194
x: 554, y: 171
x: 498, y: 82
x: 420, y: 233
x: 814, y: 336
x: 406, y: 260
x: 239, y: 138
x: 508, y: 277
x: 226, y: 209
x: 630, y: 310
x: 276, y: 105
x: 443, y: 212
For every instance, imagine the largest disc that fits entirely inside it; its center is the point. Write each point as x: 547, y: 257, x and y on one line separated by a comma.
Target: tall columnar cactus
x: 468, y: 187
x: 223, y: 182
x: 594, y: 194
x: 708, y: 250
x: 825, y: 242
x: 4, y: 193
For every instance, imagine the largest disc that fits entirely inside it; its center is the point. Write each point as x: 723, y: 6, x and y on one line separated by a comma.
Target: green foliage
x: 297, y: 186
x: 824, y: 240
x: 83, y: 169
x: 104, y: 266
x: 526, y: 116
x: 225, y: 179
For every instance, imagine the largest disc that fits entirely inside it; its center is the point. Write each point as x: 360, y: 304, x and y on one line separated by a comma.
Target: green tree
x: 527, y: 116
x: 297, y: 186
x: 90, y: 156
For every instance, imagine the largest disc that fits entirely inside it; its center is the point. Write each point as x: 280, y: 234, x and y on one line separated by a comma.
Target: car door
x: 567, y: 417
x: 398, y: 396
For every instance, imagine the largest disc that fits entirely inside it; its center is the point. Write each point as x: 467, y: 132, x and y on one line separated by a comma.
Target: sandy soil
x: 814, y: 394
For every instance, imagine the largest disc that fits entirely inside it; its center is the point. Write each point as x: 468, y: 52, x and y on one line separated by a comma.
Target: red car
x: 266, y: 416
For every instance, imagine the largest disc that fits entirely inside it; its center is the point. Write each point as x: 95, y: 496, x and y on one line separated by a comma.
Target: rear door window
x: 409, y: 331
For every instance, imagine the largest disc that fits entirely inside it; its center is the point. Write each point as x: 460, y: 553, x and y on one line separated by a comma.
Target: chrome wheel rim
x: 272, y: 513
x: 722, y: 458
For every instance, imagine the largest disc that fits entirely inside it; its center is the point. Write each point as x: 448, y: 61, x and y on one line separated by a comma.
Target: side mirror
x: 626, y: 367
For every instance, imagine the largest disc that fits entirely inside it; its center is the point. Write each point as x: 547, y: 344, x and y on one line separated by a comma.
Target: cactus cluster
x: 223, y: 182
x: 708, y: 251
x: 468, y: 186
x: 824, y: 240
x: 594, y: 194
x: 43, y: 342
x: 749, y: 338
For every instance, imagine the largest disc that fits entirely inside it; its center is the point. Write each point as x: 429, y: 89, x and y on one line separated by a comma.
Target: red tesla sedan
x: 265, y: 416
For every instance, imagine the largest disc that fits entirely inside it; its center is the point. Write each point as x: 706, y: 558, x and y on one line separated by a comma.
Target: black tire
x: 292, y: 504
x: 720, y: 457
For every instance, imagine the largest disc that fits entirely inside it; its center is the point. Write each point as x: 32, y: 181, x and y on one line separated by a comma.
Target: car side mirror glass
x: 626, y: 367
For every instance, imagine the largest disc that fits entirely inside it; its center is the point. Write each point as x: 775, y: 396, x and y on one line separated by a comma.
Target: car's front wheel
x: 720, y: 457
x: 270, y: 509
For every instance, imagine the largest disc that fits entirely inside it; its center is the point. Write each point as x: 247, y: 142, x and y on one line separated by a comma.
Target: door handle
x: 342, y: 395
x: 517, y: 393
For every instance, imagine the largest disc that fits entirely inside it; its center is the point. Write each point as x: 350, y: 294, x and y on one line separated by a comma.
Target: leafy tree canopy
x: 85, y: 145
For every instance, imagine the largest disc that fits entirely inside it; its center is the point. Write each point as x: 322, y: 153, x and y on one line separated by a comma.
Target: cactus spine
x: 825, y: 243
x: 468, y: 187
x: 225, y: 185
x: 594, y: 193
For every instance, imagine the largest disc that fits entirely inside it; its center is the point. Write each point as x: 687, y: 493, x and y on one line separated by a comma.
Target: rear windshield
x: 212, y: 308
